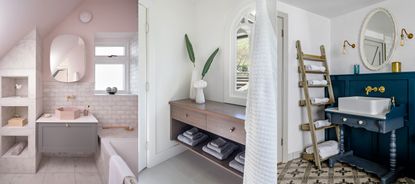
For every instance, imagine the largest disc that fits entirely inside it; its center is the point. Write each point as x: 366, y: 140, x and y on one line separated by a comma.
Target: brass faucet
x: 370, y: 89
x: 70, y: 97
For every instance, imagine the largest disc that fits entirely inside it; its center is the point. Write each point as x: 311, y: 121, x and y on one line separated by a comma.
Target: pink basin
x: 67, y: 113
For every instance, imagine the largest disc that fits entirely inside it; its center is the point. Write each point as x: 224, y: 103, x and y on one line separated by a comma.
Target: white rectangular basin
x: 364, y: 105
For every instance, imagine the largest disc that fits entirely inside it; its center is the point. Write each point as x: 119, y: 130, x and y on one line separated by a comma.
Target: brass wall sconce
x: 405, y: 35
x: 347, y: 43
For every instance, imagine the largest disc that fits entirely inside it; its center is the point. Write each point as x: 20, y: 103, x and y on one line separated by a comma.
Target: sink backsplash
x: 109, y: 109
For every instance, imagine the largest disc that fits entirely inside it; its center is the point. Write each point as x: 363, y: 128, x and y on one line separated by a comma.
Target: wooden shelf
x: 310, y: 57
x: 221, y: 163
x: 306, y: 127
x: 303, y: 103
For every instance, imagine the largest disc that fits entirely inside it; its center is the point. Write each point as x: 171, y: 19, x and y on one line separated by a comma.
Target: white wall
x: 169, y: 70
x: 348, y: 27
x: 312, y: 30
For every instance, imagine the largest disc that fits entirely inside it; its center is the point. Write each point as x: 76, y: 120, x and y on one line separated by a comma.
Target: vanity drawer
x: 228, y: 128
x: 193, y: 118
x: 370, y: 124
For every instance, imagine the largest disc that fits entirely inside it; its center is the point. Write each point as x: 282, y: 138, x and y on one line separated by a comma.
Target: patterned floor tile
x: 290, y: 182
x: 344, y: 181
x: 303, y: 172
x: 318, y: 181
x: 343, y: 171
x: 295, y: 173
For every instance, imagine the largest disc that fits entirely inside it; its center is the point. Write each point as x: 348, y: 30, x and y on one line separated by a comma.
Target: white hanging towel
x: 261, y: 113
x: 319, y: 100
x: 322, y: 123
x: 326, y: 149
x: 317, y: 82
x: 315, y: 68
x: 118, y: 170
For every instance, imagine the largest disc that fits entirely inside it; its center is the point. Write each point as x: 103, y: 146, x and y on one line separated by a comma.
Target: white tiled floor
x: 58, y: 170
x: 187, y: 168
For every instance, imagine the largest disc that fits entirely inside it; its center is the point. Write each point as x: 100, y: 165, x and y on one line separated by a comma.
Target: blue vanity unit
x: 386, y: 124
x: 368, y: 142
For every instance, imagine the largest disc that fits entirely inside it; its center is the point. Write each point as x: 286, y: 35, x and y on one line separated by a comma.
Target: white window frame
x: 125, y: 60
x: 231, y: 94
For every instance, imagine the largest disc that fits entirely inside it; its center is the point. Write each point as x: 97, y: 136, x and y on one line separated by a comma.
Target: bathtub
x: 126, y: 148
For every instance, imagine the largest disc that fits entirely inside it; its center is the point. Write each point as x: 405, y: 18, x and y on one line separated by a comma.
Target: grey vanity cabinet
x: 67, y: 138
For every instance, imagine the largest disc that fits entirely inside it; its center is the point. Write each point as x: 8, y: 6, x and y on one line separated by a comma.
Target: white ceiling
x: 331, y: 8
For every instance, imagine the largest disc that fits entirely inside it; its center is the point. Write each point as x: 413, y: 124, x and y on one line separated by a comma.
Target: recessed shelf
x: 14, y: 87
x: 8, y: 112
x: 8, y: 143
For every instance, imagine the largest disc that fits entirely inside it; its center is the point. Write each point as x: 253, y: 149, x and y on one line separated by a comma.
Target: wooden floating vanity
x: 213, y: 118
x: 78, y: 136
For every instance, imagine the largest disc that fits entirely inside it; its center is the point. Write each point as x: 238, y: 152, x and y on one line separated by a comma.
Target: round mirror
x: 67, y: 58
x: 377, y: 39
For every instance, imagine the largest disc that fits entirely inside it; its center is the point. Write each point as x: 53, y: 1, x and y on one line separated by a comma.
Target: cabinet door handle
x: 344, y: 119
x: 187, y: 115
x: 232, y: 129
x: 67, y: 125
x: 360, y: 122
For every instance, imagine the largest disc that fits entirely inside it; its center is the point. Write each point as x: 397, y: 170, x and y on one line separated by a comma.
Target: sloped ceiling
x: 18, y: 18
x: 331, y: 8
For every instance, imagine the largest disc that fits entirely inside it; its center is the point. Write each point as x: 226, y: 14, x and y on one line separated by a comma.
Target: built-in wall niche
x: 14, y: 87
x: 9, y: 112
x: 14, y: 146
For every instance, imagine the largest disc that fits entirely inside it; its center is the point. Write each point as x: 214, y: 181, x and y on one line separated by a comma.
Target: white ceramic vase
x: 199, y: 86
x: 195, y: 77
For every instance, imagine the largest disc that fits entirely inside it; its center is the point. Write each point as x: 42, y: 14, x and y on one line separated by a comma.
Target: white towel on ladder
x: 261, y: 114
x: 321, y: 123
x: 319, y: 100
x: 317, y: 82
x: 315, y: 68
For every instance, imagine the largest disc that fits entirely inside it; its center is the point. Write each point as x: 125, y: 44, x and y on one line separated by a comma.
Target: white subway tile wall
x: 109, y: 109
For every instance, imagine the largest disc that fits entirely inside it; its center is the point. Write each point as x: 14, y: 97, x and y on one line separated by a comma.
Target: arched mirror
x: 377, y: 39
x: 243, y: 39
x: 240, y: 36
x: 67, y: 58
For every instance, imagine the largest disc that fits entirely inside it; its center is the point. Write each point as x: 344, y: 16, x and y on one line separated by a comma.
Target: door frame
x: 143, y: 97
x: 284, y: 88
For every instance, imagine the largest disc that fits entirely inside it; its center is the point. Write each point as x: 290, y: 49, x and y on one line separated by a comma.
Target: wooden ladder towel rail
x: 309, y: 126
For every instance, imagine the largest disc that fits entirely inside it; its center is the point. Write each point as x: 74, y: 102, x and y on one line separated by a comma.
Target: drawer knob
x: 232, y: 129
x: 187, y: 115
x: 344, y: 119
x: 67, y: 125
x: 360, y: 122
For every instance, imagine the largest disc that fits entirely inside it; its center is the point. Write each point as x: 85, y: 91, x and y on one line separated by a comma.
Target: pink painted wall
x: 109, y: 16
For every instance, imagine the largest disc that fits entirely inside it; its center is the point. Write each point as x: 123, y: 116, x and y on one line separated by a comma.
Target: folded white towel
x: 219, y: 142
x: 326, y: 149
x: 236, y: 165
x: 317, y: 82
x: 18, y: 148
x: 190, y: 142
x: 240, y: 158
x: 319, y: 100
x: 192, y: 131
x: 315, y: 68
x: 322, y: 123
